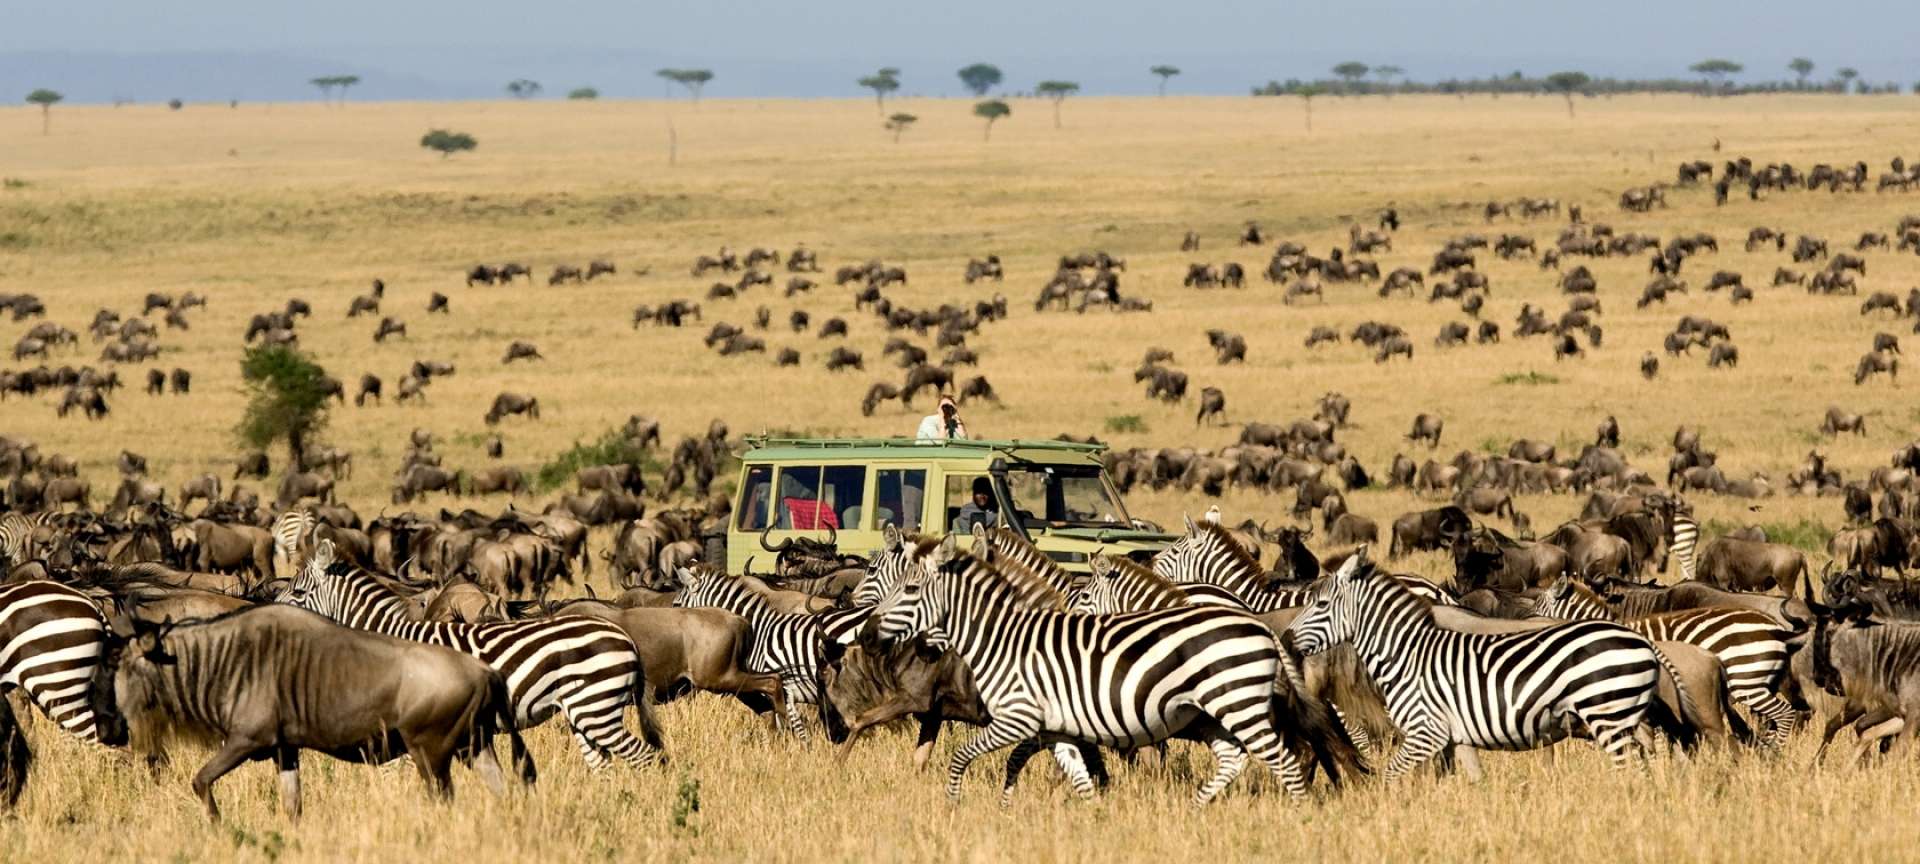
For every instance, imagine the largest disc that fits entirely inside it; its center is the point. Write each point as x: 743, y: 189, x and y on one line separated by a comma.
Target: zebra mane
x: 1160, y: 592
x: 1012, y: 589
x: 1238, y: 554
x: 1011, y: 553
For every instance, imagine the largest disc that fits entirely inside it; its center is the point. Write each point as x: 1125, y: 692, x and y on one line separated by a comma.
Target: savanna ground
x: 254, y: 205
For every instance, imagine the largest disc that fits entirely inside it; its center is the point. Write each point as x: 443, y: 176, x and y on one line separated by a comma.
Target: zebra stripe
x: 1008, y: 552
x: 1119, y: 585
x: 51, y: 639
x: 1686, y: 536
x: 1750, y: 645
x: 16, y: 536
x: 1445, y: 688
x: 1208, y: 554
x: 786, y: 645
x: 584, y: 669
x: 1116, y: 680
x: 290, y: 532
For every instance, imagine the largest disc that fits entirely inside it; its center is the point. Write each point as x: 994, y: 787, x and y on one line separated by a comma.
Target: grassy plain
x: 264, y: 202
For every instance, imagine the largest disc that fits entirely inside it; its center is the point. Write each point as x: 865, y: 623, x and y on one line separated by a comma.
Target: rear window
x: 797, y: 506
x: 753, y: 498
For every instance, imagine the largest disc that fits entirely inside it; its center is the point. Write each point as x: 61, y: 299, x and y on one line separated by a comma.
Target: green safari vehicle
x: 1055, y: 493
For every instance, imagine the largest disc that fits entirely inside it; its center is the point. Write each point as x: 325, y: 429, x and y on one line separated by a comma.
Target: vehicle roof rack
x: 763, y: 440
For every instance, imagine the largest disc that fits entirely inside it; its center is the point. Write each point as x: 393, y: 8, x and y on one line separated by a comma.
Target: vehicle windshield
x: 1064, y: 496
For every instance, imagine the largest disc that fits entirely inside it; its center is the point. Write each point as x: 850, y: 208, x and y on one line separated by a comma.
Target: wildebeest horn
x: 782, y: 548
x: 833, y: 534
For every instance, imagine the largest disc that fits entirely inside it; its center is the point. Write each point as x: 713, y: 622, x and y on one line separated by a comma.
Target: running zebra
x: 790, y: 646
x: 1208, y: 553
x: 1122, y: 681
x: 1447, y: 689
x: 582, y: 668
x: 51, y: 637
x: 1685, y: 537
x: 1750, y: 645
x: 1119, y: 585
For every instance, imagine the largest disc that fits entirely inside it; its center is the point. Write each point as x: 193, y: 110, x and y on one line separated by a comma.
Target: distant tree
x: 1716, y: 70
x: 326, y: 83
x: 1306, y: 92
x: 1165, y: 72
x: 991, y: 109
x: 175, y: 104
x: 521, y: 88
x: 692, y: 79
x: 1058, y: 91
x: 1846, y: 74
x: 1387, y: 73
x: 447, y: 142
x: 287, y: 399
x: 1802, y: 67
x: 583, y: 93
x: 1566, y: 84
x: 980, y: 77
x: 899, y: 123
x: 344, y: 82
x: 882, y: 83
x: 1351, y: 72
x: 45, y: 99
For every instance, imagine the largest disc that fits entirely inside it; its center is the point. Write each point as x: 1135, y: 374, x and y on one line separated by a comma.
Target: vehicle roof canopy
x: 766, y: 449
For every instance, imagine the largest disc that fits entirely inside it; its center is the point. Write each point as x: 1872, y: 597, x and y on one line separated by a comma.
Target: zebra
x: 290, y: 531
x: 1208, y: 553
x: 1750, y: 645
x: 1685, y: 538
x: 791, y: 646
x: 16, y: 535
x: 1054, y: 677
x: 1446, y: 689
x: 51, y: 641
x: 1119, y: 585
x: 584, y: 669
x: 1007, y: 551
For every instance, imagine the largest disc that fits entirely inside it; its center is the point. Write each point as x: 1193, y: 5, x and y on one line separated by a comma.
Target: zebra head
x: 886, y: 568
x: 1333, y: 610
x: 914, y: 604
x: 1567, y: 599
x: 315, y: 589
x: 698, y: 588
x: 1101, y: 593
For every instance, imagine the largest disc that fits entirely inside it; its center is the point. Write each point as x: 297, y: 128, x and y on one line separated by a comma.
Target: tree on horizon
x: 991, y: 109
x: 1801, y: 67
x: 1351, y: 72
x: 522, y: 88
x: 1566, y: 83
x: 45, y: 99
x: 692, y: 79
x: 980, y: 77
x: 1058, y: 91
x: 882, y: 83
x: 1165, y: 72
x: 899, y: 123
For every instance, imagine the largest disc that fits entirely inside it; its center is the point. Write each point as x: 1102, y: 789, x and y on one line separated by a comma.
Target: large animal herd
x: 272, y: 627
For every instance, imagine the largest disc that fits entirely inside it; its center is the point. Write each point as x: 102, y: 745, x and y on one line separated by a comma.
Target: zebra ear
x: 1100, y: 564
x: 688, y: 578
x: 891, y: 536
x: 1355, y: 565
x: 1561, y: 588
x: 1191, y: 528
x: 948, y: 548
x: 322, y: 556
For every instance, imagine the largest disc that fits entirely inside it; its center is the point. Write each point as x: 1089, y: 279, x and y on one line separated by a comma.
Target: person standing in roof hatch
x: 944, y: 424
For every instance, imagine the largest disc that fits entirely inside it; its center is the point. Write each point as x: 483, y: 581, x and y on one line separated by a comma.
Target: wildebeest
x: 1723, y: 354
x: 1437, y: 528
x: 1746, y: 565
x: 508, y: 404
x: 1427, y: 427
x: 1213, y: 403
x: 1227, y: 347
x: 1838, y: 421
x: 1874, y: 363
x: 271, y: 681
x: 519, y: 350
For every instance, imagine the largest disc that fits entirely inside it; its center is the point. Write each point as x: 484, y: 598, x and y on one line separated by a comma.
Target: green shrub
x: 1528, y: 378
x: 1126, y: 423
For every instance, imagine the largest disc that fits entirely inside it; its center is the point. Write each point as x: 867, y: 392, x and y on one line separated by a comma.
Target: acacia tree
x: 287, y: 399
x: 326, y: 83
x: 980, y: 77
x: 1306, y: 92
x: 1847, y: 74
x: 991, y: 109
x: 583, y: 93
x: 1351, y: 72
x: 1386, y: 74
x: 1802, y: 67
x: 45, y: 99
x: 521, y: 88
x: 899, y: 123
x: 1058, y: 91
x: 344, y: 82
x: 692, y: 79
x: 1716, y: 70
x: 882, y: 83
x: 447, y: 142
x: 1566, y: 83
x: 1165, y: 72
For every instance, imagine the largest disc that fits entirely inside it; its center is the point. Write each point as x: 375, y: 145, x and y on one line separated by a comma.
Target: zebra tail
x: 1301, y: 717
x: 1684, y: 728
x: 16, y: 758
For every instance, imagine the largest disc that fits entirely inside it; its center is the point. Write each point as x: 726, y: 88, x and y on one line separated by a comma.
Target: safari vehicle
x: 1055, y: 493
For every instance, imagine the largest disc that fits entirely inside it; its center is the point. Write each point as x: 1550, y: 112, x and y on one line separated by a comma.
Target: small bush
x: 447, y: 142
x: 1126, y: 423
x: 1806, y: 535
x: 1526, y: 379
x: 613, y: 448
x: 14, y: 183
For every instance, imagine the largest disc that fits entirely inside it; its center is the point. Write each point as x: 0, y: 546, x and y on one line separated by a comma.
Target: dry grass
x: 254, y: 205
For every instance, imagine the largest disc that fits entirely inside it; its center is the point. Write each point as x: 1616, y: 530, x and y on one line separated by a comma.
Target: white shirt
x: 933, y: 427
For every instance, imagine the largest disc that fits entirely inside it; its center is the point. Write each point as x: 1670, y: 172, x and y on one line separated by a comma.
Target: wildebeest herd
x: 269, y: 627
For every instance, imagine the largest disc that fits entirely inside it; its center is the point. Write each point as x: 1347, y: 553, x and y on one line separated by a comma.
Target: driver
x: 979, y: 510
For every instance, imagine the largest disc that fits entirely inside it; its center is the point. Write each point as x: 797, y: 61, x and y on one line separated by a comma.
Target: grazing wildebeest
x: 1723, y: 354
x: 1213, y: 403
x: 1427, y: 427
x: 1428, y: 529
x: 270, y: 681
x: 507, y: 404
x: 1838, y: 421
x: 1874, y: 363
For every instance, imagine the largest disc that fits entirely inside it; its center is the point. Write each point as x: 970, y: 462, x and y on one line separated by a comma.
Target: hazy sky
x: 769, y: 48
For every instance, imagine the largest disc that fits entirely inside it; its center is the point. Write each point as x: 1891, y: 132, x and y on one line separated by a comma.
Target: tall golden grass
x: 257, y: 204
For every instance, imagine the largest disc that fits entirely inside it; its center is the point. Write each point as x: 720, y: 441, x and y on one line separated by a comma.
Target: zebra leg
x: 1780, y: 716
x: 1418, y: 745
x: 1008, y: 727
x: 1016, y: 762
x: 795, y: 723
x: 1229, y: 760
x: 1469, y: 761
x: 600, y: 729
x: 1361, y: 740
x: 1073, y: 759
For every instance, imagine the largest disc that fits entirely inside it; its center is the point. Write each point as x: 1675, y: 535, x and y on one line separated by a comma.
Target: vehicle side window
x: 754, y: 498
x: 844, y: 490
x: 798, y: 503
x: 899, y: 496
x: 959, y: 497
